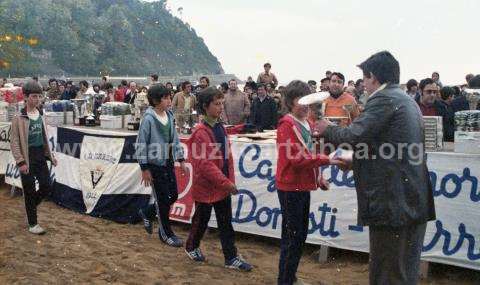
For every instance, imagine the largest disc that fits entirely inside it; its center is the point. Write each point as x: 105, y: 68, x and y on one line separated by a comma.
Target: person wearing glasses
x: 429, y: 92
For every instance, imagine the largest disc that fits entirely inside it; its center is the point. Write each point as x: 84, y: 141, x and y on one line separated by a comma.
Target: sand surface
x: 79, y: 249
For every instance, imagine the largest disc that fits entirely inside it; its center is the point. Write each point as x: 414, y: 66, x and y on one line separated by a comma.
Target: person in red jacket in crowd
x: 213, y: 180
x: 297, y: 174
x: 121, y: 91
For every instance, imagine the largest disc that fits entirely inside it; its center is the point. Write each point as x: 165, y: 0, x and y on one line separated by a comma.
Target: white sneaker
x: 37, y: 230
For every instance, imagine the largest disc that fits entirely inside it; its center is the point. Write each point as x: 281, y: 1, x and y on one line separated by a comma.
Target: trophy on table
x: 473, y: 97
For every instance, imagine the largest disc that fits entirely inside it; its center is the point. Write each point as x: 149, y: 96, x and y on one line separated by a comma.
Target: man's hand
x: 147, y: 178
x: 23, y: 169
x: 54, y: 162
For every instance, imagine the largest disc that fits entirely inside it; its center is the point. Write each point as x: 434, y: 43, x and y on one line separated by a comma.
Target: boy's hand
x: 233, y: 189
x: 147, y: 178
x: 323, y: 183
x: 23, y: 169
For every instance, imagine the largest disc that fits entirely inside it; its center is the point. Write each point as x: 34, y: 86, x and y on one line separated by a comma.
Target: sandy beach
x: 79, y: 249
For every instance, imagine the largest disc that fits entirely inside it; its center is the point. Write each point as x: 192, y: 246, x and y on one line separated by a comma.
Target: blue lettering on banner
x: 268, y: 217
x: 264, y: 165
x: 447, y: 238
x: 12, y: 171
x: 458, y: 181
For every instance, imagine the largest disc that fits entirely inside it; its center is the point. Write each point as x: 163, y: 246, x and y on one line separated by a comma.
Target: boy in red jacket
x: 297, y: 174
x: 213, y: 180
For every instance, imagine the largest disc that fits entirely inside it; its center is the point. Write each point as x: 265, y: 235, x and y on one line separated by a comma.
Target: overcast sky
x: 304, y: 38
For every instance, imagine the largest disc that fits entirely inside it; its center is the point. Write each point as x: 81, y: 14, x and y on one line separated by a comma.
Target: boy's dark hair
x: 206, y: 78
x: 325, y: 79
x: 205, y: 97
x: 339, y: 75
x: 411, y: 83
x: 425, y: 82
x: 383, y: 66
x: 312, y: 82
x: 84, y: 83
x: 474, y: 82
x: 184, y: 84
x: 446, y: 92
x: 156, y: 93
x: 31, y: 87
x: 124, y: 82
x: 294, y: 90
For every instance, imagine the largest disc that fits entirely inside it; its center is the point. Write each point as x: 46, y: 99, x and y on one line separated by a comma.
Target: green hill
x: 93, y: 37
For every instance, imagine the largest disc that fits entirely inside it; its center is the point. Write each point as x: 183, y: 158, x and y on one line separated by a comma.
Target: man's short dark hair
x: 31, y: 87
x: 295, y: 89
x: 52, y: 80
x: 312, y: 82
x: 154, y: 77
x: 84, y: 83
x: 205, y: 97
x: 383, y: 66
x: 171, y: 84
x: 206, y: 79
x: 474, y: 82
x: 411, y: 83
x: 339, y: 75
x: 447, y: 92
x: 124, y: 82
x: 156, y: 93
x: 425, y: 82
x: 69, y: 82
x: 233, y: 79
x: 96, y: 85
x: 325, y: 79
x: 184, y: 84
x: 261, y: 85
x: 224, y: 86
x: 267, y: 64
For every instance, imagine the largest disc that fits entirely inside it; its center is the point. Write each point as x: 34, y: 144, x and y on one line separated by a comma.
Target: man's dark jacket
x: 393, y: 190
x: 264, y: 114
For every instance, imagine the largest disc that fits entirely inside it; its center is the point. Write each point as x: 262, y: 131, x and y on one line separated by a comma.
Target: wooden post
x: 323, y: 254
x: 424, y: 269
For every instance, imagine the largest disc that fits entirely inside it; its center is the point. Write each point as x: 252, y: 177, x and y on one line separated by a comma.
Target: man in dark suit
x: 394, y: 193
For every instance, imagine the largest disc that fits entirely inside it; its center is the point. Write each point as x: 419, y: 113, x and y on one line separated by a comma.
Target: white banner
x: 99, y: 159
x: 453, y: 238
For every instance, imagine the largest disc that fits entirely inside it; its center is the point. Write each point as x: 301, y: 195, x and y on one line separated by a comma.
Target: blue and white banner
x: 454, y: 238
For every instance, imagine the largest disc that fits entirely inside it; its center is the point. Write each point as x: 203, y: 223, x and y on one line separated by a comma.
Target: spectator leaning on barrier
x: 394, y: 192
x: 30, y: 149
x: 429, y: 92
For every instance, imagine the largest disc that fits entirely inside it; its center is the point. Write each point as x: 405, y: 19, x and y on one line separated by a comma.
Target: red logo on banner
x: 183, y: 208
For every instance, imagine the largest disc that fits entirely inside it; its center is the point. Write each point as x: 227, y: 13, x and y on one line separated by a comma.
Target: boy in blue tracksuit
x: 157, y: 147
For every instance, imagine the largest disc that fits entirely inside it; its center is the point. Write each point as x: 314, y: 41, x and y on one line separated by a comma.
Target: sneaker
x: 147, y: 223
x: 299, y: 282
x: 238, y: 263
x: 37, y: 230
x: 173, y: 241
x: 196, y: 255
